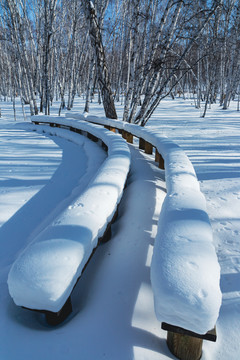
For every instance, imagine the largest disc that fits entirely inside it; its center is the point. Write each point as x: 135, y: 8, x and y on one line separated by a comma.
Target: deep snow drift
x: 113, y: 303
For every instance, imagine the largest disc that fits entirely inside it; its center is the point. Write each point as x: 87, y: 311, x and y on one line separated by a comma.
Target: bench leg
x: 184, y: 347
x: 127, y: 136
x: 104, y: 146
x: 148, y: 148
x: 141, y: 144
x: 106, y: 236
x: 53, y: 318
x: 159, y: 159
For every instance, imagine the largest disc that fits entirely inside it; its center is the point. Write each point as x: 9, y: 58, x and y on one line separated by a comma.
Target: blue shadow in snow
x: 15, y: 234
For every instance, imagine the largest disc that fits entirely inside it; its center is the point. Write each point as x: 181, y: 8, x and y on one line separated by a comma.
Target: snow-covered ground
x: 113, y: 314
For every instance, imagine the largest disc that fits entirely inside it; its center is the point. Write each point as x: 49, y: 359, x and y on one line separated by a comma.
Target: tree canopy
x: 132, y: 51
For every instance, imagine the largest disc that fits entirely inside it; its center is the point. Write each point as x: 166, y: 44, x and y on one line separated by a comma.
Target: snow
x: 113, y: 309
x: 183, y: 252
x: 184, y: 272
x: 43, y: 276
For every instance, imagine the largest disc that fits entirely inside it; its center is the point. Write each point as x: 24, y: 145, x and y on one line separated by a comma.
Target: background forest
x: 136, y: 52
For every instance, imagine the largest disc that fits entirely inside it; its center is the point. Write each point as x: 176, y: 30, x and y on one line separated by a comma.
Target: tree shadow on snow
x: 37, y: 213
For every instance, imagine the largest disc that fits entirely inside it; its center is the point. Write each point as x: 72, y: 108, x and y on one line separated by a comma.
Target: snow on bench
x: 185, y: 272
x: 44, y: 275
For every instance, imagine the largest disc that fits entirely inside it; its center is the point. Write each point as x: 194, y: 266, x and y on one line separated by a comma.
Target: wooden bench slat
x: 211, y: 335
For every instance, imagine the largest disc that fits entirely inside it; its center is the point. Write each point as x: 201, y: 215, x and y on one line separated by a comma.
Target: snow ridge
x: 43, y: 276
x: 185, y: 272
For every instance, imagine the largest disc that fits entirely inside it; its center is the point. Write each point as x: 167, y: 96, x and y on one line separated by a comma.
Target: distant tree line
x: 136, y: 52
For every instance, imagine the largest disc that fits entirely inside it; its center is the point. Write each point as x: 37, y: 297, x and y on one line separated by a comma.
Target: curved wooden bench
x: 185, y: 273
x: 183, y: 225
x: 128, y: 132
x: 44, y: 275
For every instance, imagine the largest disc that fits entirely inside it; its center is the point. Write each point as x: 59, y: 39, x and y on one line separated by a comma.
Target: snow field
x: 113, y: 311
x: 44, y: 275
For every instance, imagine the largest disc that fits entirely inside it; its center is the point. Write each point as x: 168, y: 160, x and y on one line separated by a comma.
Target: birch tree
x: 101, y: 65
x: 233, y: 77
x: 142, y: 50
x: 17, y: 25
x: 155, y: 92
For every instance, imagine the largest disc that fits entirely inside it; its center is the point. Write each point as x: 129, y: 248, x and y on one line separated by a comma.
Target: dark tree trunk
x: 101, y: 66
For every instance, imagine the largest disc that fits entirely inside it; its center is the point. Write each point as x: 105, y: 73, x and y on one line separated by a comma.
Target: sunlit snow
x: 113, y: 315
